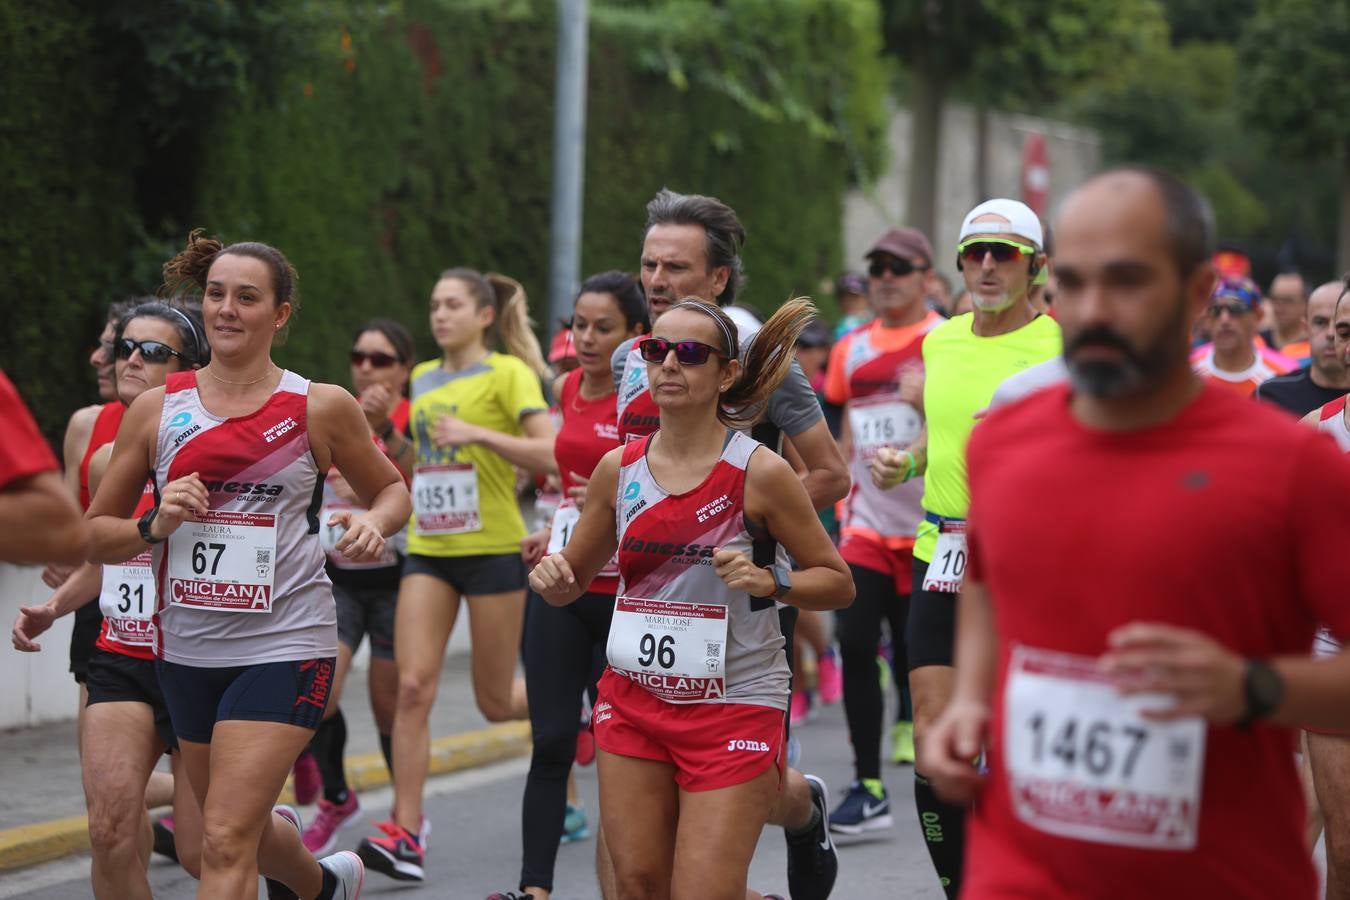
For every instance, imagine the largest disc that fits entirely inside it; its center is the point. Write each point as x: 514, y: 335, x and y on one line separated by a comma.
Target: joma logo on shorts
x: 754, y: 746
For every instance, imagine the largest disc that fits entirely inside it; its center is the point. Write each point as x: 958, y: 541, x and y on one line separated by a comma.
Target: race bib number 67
x: 1083, y: 762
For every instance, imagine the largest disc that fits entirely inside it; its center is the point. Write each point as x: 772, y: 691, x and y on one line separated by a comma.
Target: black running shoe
x: 164, y: 844
x: 813, y: 863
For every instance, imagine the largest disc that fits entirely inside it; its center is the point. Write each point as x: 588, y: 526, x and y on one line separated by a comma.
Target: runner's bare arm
x: 80, y: 589
x: 826, y: 479
x: 78, y: 431
x: 42, y: 523
x: 338, y: 435
x: 775, y: 498
x: 954, y: 741
x: 532, y: 451
x: 562, y: 577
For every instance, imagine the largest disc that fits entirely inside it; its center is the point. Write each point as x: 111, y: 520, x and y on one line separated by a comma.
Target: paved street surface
x: 475, y: 845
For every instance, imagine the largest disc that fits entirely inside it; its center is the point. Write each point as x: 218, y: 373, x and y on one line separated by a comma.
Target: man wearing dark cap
x: 999, y: 251
x: 875, y: 374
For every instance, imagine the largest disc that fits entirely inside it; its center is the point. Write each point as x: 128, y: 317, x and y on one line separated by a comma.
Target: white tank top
x: 246, y: 584
x: 1331, y: 420
x: 666, y: 544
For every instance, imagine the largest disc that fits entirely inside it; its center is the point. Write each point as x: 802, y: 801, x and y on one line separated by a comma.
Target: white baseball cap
x: 1022, y: 222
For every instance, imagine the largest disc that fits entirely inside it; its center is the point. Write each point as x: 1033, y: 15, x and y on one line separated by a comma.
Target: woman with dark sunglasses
x: 366, y: 592
x: 691, y: 711
x: 126, y: 725
x: 564, y: 647
x: 477, y: 415
x: 246, y: 631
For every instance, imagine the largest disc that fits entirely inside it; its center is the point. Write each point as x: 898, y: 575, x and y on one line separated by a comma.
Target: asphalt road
x: 475, y: 846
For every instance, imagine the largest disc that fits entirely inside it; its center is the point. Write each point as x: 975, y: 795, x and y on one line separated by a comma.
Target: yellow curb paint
x: 29, y: 845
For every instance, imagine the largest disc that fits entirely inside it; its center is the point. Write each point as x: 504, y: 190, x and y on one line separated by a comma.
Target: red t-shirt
x: 104, y: 432
x: 23, y: 451
x: 1225, y: 520
x: 590, y: 429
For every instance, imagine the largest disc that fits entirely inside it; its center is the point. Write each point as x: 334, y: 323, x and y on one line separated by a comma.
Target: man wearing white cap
x: 999, y: 252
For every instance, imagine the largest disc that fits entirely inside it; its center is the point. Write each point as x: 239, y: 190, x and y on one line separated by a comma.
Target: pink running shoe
x: 307, y: 782
x: 829, y: 678
x: 800, y: 710
x: 321, y: 835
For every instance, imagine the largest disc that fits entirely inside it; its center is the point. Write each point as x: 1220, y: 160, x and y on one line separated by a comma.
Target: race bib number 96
x: 676, y: 650
x: 1083, y: 762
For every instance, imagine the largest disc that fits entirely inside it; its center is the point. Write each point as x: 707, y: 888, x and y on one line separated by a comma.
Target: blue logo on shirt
x: 180, y: 420
x: 631, y: 492
x: 634, y: 373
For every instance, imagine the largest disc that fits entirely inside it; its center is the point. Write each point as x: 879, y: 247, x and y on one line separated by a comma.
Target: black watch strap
x: 143, y: 526
x: 1263, y: 689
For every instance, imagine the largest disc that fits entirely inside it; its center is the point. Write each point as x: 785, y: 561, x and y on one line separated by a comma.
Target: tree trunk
x: 1343, y: 232
x: 926, y: 97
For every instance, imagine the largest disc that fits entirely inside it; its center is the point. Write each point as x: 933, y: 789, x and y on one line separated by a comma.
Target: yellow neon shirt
x: 495, y: 393
x: 962, y: 370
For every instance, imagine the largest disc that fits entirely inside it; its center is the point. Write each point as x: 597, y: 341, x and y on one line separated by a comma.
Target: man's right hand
x: 889, y: 467
x: 32, y: 621
x: 948, y: 751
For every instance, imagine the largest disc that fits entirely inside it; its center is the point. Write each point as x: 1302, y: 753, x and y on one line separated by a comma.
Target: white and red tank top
x: 639, y: 416
x: 245, y: 583
x: 666, y: 544
x: 1331, y: 420
x: 588, y: 431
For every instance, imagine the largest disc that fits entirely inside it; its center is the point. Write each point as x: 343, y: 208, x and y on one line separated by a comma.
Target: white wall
x: 1074, y: 154
x: 34, y: 687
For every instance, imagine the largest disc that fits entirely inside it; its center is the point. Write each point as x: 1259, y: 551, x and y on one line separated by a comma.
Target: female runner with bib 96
x: 246, y: 626
x: 690, y: 714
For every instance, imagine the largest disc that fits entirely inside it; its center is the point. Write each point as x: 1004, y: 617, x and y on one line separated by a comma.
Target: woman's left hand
x: 454, y: 432
x: 362, y: 541
x: 741, y: 574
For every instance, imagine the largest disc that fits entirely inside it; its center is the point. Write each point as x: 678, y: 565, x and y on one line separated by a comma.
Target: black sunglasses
x: 1236, y: 310
x: 377, y: 359
x: 895, y: 265
x: 689, y: 353
x: 151, y: 351
x: 974, y: 251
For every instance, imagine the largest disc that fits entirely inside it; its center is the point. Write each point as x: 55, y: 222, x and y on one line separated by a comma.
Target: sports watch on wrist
x: 1263, y: 689
x: 782, y: 580
x: 143, y: 526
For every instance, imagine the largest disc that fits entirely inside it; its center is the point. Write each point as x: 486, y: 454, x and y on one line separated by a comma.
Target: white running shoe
x: 350, y: 872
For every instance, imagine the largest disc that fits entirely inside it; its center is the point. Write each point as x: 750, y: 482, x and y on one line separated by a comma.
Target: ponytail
x: 514, y: 326
x: 768, y: 358
x: 188, y: 269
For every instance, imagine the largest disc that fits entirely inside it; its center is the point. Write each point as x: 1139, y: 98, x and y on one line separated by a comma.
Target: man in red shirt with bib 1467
x: 1150, y: 554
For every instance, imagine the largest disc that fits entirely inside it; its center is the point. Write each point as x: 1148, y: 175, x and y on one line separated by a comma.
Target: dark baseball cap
x: 905, y: 243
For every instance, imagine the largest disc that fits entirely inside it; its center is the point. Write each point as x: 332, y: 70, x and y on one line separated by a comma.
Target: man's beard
x: 1139, y: 368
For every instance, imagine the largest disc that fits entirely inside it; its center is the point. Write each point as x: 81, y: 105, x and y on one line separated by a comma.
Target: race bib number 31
x: 445, y: 499
x: 675, y: 650
x: 1083, y: 763
x: 224, y: 562
x: 127, y: 601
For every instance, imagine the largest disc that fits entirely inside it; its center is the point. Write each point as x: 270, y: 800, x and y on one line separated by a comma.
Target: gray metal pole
x: 569, y: 160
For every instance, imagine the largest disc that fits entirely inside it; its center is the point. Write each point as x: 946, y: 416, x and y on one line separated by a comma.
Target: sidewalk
x: 42, y: 801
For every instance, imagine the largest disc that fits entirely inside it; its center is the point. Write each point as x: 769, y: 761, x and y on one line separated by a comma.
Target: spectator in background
x: 850, y: 292
x: 939, y: 297
x: 1236, y: 359
x: 1325, y: 377
x: 813, y: 350
x: 1289, y: 317
x: 562, y: 353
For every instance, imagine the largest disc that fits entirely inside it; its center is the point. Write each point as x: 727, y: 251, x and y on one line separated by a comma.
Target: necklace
x: 239, y: 383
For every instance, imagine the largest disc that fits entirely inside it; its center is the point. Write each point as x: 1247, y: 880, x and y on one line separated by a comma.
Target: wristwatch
x: 1263, y: 689
x: 143, y: 526
x: 782, y: 580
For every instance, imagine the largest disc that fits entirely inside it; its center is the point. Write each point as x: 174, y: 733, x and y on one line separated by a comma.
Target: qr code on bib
x: 264, y: 557
x: 714, y: 649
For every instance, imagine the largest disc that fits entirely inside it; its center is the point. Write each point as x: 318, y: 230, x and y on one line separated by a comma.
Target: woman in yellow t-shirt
x: 476, y: 414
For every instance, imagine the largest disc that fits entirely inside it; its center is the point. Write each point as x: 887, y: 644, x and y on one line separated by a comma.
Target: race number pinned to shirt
x: 676, y: 650
x: 948, y: 568
x: 882, y: 420
x: 445, y: 498
x: 565, y: 520
x: 127, y: 601
x: 1083, y: 762
x: 224, y: 562
x: 329, y: 535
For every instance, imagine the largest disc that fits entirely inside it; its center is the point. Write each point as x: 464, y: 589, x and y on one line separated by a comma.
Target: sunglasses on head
x: 894, y: 264
x: 688, y: 353
x: 1233, y: 309
x: 1002, y: 251
x: 151, y: 351
x: 377, y: 359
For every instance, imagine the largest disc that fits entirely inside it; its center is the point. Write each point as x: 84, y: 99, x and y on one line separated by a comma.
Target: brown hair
x: 768, y: 358
x: 512, y: 323
x: 188, y: 270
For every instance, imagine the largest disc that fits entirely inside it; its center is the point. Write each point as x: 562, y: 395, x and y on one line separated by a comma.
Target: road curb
x: 42, y: 842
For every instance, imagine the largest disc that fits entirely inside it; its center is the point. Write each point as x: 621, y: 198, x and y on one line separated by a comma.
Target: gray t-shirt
x: 792, y: 407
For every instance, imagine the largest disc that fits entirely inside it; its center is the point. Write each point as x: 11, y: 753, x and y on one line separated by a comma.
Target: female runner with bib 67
x: 690, y: 713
